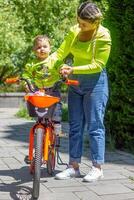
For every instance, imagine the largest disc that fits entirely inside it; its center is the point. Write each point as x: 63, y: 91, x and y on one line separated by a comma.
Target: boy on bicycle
x: 38, y: 73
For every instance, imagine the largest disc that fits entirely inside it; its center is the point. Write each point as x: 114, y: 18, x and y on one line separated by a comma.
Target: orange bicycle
x: 44, y: 141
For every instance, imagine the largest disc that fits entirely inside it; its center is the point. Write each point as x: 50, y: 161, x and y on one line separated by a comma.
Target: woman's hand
x: 66, y: 70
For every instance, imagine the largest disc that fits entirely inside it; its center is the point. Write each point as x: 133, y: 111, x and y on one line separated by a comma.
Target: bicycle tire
x: 38, y: 162
x: 51, y: 161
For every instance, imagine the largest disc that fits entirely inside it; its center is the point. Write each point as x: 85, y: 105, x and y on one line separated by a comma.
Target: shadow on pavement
x: 20, y: 182
x: 14, y: 186
x: 19, y: 132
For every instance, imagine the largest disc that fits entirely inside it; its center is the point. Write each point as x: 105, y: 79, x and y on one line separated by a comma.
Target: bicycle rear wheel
x: 37, y: 162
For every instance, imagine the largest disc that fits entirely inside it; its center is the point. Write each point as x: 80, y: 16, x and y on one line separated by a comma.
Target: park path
x: 16, y: 182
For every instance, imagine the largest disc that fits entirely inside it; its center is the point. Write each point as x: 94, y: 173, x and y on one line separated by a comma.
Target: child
x: 36, y: 72
x: 39, y: 75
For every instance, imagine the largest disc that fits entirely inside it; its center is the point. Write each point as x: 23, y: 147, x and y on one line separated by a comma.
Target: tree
x: 12, y: 40
x: 22, y: 20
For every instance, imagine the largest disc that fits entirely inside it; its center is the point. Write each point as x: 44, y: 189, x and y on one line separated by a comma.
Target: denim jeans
x: 86, y: 105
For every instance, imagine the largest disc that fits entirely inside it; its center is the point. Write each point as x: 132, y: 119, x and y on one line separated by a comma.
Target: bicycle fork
x: 31, y: 139
x: 47, y: 142
x: 48, y: 139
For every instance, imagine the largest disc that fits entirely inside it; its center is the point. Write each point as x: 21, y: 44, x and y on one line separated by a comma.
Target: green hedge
x: 119, y: 118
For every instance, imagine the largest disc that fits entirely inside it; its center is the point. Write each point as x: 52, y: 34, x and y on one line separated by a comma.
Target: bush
x: 119, y: 117
x: 23, y: 113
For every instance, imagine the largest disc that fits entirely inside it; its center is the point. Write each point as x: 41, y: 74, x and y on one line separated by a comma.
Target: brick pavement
x: 16, y: 182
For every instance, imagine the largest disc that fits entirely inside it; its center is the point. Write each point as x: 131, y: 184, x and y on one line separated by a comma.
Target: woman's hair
x: 89, y: 11
x: 39, y: 38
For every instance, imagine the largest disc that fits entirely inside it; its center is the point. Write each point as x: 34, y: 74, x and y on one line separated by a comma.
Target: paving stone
x: 60, y: 183
x: 112, y: 166
x: 87, y: 195
x: 5, y: 196
x: 5, y: 167
x: 69, y: 189
x: 129, y: 185
x: 127, y: 173
x: 115, y: 181
x: 110, y: 189
x: 129, y: 168
x: 127, y: 196
x: 59, y: 196
x: 112, y: 174
x: 11, y: 160
x: 2, y: 143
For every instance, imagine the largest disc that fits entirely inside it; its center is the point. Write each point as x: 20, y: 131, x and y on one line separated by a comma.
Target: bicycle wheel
x: 37, y: 162
x: 51, y: 161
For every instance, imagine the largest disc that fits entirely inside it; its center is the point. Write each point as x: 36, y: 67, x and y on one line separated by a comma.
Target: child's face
x: 42, y: 49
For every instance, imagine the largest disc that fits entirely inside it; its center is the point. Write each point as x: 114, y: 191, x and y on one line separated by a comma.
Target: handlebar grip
x: 72, y: 82
x: 12, y: 80
x: 17, y: 79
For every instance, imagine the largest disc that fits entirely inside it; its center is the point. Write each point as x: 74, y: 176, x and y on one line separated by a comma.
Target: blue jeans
x: 86, y: 105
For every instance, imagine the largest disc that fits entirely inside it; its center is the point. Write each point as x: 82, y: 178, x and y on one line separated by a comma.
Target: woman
x: 89, y: 44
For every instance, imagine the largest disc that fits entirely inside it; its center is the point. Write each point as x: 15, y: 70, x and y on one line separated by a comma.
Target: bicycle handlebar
x: 17, y: 79
x: 55, y: 86
x: 12, y: 80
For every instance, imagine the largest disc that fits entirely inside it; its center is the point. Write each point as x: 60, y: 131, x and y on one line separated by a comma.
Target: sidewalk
x: 16, y: 182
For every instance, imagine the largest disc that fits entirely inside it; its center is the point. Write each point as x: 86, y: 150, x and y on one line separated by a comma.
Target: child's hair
x: 89, y: 11
x: 39, y: 38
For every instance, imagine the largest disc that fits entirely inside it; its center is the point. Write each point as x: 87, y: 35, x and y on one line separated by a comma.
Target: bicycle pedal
x: 26, y: 160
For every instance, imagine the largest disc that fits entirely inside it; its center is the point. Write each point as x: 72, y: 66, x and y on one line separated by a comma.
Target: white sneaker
x: 93, y: 175
x: 67, y: 174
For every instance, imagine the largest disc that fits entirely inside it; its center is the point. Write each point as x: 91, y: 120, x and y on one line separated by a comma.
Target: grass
x: 23, y: 113
x: 64, y: 112
x: 131, y: 178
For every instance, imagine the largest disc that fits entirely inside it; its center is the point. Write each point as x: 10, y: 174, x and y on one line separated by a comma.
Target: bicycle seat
x: 42, y: 101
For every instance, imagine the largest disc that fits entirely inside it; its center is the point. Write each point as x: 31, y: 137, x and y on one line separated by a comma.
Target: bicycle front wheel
x: 37, y: 162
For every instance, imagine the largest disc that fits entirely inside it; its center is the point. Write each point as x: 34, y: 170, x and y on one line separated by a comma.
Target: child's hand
x: 26, y: 88
x: 39, y: 93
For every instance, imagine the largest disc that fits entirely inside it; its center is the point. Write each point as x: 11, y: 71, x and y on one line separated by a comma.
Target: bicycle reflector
x: 72, y: 82
x: 12, y: 80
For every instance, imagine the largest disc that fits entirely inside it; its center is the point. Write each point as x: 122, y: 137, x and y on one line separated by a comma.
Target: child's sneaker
x: 67, y: 174
x: 93, y: 175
